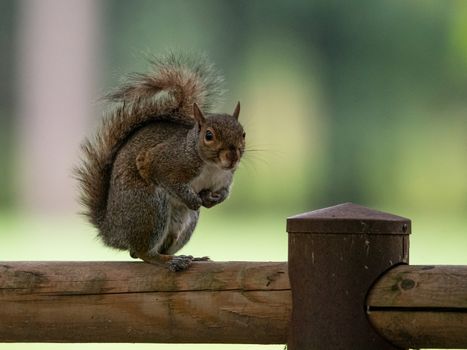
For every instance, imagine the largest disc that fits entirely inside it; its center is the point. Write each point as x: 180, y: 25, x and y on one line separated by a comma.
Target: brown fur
x: 167, y: 93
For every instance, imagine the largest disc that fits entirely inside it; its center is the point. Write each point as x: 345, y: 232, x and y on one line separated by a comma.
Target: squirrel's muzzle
x: 229, y: 158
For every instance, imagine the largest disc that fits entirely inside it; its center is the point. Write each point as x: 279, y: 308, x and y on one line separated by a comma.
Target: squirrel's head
x: 221, y: 138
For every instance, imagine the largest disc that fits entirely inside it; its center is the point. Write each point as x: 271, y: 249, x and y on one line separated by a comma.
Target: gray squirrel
x: 157, y: 157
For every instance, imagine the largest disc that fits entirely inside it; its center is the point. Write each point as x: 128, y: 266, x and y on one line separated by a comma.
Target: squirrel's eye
x: 244, y: 134
x: 209, y: 135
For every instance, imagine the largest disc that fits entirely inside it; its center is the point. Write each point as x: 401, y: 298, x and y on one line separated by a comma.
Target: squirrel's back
x: 167, y: 93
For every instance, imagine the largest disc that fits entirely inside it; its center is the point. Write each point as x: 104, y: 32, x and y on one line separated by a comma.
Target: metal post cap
x: 348, y: 218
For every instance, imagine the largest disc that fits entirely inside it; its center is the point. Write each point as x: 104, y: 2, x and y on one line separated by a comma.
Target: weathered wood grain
x: 421, y: 286
x: 422, y: 329
x: 234, y: 302
x: 421, y: 306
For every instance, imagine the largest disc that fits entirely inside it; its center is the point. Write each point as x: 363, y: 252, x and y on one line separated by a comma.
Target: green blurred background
x: 362, y: 101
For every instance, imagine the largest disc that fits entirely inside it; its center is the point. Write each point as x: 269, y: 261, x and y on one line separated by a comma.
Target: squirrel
x: 157, y: 157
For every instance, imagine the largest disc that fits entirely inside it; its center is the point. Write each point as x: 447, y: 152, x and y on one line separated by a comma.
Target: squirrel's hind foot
x: 174, y: 263
x: 182, y: 262
x: 179, y: 262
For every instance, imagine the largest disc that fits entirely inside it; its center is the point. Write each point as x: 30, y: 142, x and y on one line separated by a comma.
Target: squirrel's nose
x: 232, y: 155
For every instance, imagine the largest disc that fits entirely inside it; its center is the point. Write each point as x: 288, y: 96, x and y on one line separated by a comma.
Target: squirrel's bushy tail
x: 166, y: 93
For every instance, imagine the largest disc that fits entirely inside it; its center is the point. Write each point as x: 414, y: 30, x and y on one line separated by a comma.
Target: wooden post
x: 335, y: 255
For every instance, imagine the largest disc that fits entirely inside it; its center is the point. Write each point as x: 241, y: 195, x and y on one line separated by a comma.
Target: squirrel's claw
x: 203, y: 258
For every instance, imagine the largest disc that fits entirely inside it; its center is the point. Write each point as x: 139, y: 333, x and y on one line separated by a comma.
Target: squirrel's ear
x: 237, y: 111
x: 199, y: 117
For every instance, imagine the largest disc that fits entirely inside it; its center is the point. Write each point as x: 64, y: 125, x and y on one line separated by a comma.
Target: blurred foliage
x: 7, y: 15
x: 345, y: 101
x: 361, y: 101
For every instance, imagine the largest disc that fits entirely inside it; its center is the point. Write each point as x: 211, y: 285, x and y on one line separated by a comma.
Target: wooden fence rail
x: 233, y: 302
x: 346, y: 286
x: 421, y: 306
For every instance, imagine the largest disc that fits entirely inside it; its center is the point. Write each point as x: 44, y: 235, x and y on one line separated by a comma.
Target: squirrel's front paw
x: 209, y: 199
